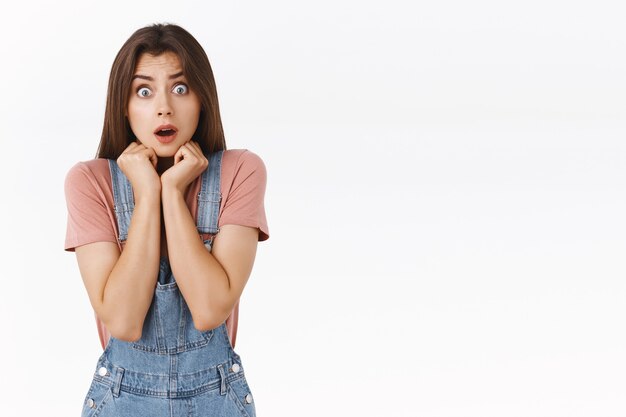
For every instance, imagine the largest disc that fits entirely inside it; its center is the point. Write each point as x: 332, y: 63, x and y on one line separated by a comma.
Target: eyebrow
x: 145, y: 77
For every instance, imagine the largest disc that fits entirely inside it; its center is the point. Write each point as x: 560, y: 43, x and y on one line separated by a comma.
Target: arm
x: 211, y: 282
x: 121, y: 286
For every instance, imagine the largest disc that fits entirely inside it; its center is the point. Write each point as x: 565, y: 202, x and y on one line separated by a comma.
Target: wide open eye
x: 181, y: 88
x: 144, y: 92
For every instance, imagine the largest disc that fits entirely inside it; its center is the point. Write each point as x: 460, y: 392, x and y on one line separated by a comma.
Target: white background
x: 445, y: 200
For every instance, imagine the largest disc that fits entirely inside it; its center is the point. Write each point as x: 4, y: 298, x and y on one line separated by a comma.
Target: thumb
x: 180, y: 153
x: 153, y: 157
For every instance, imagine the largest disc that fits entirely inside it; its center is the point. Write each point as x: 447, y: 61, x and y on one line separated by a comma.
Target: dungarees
x: 174, y: 369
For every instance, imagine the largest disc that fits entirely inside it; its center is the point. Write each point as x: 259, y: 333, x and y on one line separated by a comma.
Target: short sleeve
x: 244, y: 203
x: 88, y: 219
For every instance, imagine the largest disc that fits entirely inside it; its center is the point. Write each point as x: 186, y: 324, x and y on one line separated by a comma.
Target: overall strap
x: 210, y: 195
x: 124, y: 201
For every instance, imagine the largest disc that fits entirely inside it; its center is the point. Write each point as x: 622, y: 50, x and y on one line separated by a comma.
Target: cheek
x: 194, y: 107
x: 136, y: 114
x: 193, y: 113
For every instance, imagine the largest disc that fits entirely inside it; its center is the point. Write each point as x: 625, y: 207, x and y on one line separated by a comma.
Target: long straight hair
x: 155, y: 40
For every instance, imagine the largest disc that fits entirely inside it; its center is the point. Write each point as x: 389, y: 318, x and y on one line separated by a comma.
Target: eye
x: 144, y: 92
x: 181, y: 88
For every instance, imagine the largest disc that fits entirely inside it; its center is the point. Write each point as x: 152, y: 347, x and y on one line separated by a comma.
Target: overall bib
x: 174, y: 369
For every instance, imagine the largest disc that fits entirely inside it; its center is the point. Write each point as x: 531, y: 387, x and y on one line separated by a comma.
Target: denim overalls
x: 174, y: 369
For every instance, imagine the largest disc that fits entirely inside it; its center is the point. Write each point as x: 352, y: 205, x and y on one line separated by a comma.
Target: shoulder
x: 94, y: 167
x: 241, y: 161
x: 94, y: 172
x: 244, y: 182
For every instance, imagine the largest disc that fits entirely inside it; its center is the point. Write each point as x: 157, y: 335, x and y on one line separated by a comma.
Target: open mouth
x: 165, y: 132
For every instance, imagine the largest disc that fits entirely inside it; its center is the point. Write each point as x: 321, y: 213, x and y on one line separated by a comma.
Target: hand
x: 189, y: 163
x: 139, y: 163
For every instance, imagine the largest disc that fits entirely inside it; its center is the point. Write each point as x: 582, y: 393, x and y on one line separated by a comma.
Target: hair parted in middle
x: 155, y: 40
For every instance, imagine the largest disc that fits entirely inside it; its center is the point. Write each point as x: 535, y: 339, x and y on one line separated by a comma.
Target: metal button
x: 249, y: 398
x: 235, y: 367
x: 91, y: 403
x: 102, y: 371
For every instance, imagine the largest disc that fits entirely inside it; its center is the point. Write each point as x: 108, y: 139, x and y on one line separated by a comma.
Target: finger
x: 201, y: 153
x: 135, y: 147
x: 196, y: 145
x: 140, y: 146
x: 193, y: 150
x: 130, y: 147
x: 152, y: 156
x: 180, y: 154
x: 197, y: 151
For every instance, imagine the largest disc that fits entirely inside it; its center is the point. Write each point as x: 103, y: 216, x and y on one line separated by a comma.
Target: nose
x: 164, y: 106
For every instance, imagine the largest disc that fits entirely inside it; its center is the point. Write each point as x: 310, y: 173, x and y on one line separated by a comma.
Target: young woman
x: 165, y: 224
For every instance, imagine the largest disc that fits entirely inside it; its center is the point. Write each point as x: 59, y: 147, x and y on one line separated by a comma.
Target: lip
x: 168, y: 126
x: 166, y: 139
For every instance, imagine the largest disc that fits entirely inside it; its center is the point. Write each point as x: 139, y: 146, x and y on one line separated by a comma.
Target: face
x: 160, y: 95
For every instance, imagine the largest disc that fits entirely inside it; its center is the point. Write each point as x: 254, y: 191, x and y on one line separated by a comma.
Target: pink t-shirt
x: 91, y: 214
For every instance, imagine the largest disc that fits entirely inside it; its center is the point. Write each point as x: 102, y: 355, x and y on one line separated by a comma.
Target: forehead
x: 166, y: 63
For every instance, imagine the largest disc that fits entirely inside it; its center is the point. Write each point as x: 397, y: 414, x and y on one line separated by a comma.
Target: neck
x: 163, y: 164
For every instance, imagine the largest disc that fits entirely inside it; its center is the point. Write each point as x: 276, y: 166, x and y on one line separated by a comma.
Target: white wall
x: 445, y: 200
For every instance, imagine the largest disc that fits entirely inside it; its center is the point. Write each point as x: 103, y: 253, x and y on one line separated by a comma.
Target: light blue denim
x: 174, y: 369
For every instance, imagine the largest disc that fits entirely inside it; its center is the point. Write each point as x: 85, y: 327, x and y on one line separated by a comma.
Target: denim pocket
x: 239, y: 392
x: 96, y: 399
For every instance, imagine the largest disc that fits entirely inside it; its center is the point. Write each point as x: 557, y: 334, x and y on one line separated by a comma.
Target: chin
x: 165, y: 153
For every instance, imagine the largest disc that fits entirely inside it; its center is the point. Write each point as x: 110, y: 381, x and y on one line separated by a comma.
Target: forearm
x: 201, y: 279
x: 130, y: 287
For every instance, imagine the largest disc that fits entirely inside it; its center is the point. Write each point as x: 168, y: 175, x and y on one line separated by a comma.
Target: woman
x: 165, y: 224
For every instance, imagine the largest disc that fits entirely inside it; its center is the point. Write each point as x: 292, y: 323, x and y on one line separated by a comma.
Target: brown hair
x: 155, y: 40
